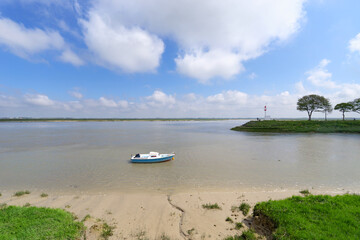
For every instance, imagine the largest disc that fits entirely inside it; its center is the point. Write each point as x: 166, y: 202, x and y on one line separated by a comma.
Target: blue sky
x: 158, y: 58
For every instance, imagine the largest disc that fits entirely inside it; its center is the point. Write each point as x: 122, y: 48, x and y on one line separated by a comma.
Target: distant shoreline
x: 113, y: 119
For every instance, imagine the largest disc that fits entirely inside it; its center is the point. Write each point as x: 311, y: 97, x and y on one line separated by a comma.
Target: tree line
x: 315, y: 103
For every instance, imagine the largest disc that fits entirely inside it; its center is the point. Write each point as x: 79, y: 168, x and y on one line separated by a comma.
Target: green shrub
x: 244, y: 208
x: 21, y: 193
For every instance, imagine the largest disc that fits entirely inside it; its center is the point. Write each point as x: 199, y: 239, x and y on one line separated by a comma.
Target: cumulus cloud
x: 214, y: 37
x: 24, y: 41
x: 111, y: 103
x: 118, y: 47
x: 228, y: 97
x: 354, y: 44
x: 320, y: 76
x: 39, y: 99
x: 214, y: 63
x: 160, y: 99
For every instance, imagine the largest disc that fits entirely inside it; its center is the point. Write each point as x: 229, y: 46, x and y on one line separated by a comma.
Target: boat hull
x: 152, y: 160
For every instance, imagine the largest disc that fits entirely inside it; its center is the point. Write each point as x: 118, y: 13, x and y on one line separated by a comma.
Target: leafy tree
x: 344, y: 107
x: 327, y: 108
x: 313, y: 103
x: 356, y: 105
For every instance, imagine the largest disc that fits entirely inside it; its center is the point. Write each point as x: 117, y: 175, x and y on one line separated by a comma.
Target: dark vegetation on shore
x: 304, y: 126
x: 311, y: 217
x: 108, y: 119
x: 38, y: 223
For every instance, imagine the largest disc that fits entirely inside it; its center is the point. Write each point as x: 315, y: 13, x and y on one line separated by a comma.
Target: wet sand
x: 145, y: 215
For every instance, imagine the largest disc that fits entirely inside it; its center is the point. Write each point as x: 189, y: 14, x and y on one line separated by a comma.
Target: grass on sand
x: 312, y: 217
x: 211, y: 206
x: 38, y: 223
x: 301, y: 126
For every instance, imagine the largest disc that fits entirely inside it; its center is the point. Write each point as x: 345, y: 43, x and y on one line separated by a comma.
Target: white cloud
x: 24, y: 41
x: 160, y: 99
x: 230, y: 97
x: 111, y: 103
x: 207, y: 65
x: 321, y: 77
x: 70, y: 57
x: 234, y: 30
x: 76, y: 94
x: 39, y: 99
x: 118, y: 47
x: 354, y: 44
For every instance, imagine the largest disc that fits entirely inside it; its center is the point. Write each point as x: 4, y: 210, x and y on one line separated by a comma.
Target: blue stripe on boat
x: 142, y: 160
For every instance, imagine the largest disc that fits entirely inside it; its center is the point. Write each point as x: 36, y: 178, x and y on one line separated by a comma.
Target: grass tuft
x: 44, y: 195
x: 238, y: 225
x: 190, y: 231
x: 86, y: 218
x: 228, y: 219
x: 305, y: 192
x: 211, y: 206
x: 164, y: 237
x: 21, y: 193
x: 27, y: 205
x: 107, y: 231
x: 244, y: 208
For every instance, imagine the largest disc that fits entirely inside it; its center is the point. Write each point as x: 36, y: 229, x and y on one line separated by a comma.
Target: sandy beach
x: 145, y: 215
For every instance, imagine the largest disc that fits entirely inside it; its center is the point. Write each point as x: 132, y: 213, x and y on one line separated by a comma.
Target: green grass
x: 38, y: 223
x: 107, y: 231
x: 86, y: 218
x: 164, y: 237
x: 246, y: 235
x: 238, y: 225
x: 244, y: 208
x: 228, y: 219
x: 211, y: 206
x: 312, y: 217
x: 301, y: 126
x: 21, y: 193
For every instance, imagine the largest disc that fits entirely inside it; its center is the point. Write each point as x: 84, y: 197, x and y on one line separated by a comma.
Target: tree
x: 356, y: 105
x: 327, y: 108
x: 313, y: 103
x: 344, y: 107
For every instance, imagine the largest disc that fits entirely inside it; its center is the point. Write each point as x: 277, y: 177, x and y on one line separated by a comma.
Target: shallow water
x: 94, y: 156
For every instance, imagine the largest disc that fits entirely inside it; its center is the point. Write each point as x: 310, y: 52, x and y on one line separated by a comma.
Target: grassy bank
x: 301, y: 126
x: 311, y: 217
x: 38, y: 223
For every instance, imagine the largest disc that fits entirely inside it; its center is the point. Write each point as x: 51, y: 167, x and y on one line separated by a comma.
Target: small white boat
x: 152, y: 157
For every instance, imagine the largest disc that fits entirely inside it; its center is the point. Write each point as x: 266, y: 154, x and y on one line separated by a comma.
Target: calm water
x: 94, y: 156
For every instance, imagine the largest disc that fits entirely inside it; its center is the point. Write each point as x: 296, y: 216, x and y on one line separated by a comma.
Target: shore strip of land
x: 301, y: 126
x: 157, y: 215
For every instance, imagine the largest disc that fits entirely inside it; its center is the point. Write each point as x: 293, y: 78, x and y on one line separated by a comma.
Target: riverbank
x: 301, y: 126
x: 156, y: 215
